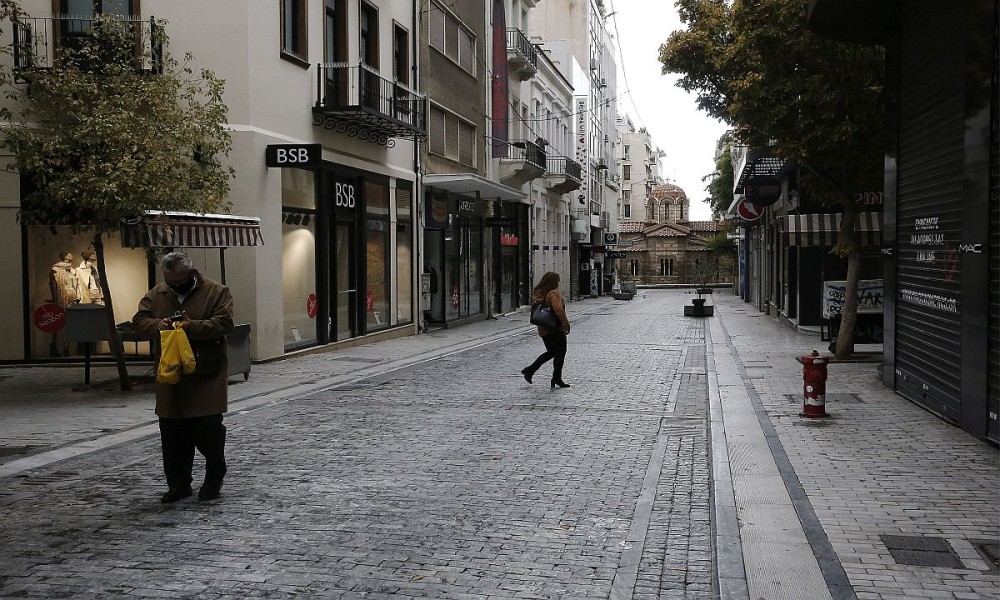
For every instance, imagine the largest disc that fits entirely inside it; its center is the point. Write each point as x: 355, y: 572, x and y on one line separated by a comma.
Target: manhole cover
x: 921, y: 551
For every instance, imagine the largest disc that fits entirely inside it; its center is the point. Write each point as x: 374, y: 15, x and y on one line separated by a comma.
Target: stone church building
x: 666, y: 248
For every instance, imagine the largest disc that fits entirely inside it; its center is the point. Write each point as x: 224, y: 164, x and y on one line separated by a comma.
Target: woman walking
x: 554, y: 338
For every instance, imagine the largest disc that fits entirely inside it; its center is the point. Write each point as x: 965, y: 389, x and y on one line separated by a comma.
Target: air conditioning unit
x: 594, y: 65
x: 604, y: 82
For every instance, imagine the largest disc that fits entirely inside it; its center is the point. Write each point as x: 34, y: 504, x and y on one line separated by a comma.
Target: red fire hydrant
x: 813, y: 385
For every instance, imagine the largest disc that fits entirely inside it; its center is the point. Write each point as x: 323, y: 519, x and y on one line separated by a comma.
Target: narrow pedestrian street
x: 675, y: 467
x: 449, y: 479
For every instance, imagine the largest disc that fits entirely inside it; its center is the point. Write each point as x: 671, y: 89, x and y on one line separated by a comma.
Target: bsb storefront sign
x: 302, y: 156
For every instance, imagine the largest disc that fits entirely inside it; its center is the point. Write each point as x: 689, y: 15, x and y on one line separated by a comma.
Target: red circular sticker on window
x: 312, y: 306
x: 50, y: 318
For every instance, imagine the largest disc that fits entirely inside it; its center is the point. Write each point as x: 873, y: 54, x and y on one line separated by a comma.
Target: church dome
x: 667, y: 190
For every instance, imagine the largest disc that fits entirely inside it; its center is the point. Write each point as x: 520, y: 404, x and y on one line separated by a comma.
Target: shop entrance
x: 344, y: 303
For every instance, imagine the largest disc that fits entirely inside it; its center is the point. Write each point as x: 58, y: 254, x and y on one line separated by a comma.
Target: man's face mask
x: 184, y: 286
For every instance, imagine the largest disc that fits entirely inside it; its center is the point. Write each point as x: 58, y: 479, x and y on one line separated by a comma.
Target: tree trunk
x: 848, y: 242
x: 113, y: 340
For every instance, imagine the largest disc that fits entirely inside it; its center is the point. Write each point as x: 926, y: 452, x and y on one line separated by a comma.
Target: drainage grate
x: 990, y: 550
x: 921, y: 551
x: 845, y: 398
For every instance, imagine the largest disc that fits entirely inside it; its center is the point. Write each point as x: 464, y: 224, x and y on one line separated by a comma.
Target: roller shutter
x: 993, y: 424
x: 930, y: 163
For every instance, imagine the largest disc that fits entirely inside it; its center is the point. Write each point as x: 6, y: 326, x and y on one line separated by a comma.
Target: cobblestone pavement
x: 676, y: 466
x: 451, y: 478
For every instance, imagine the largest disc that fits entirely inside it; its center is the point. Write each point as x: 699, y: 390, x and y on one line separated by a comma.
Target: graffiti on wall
x: 870, y: 297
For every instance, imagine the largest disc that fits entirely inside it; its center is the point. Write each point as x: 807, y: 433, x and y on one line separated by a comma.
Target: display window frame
x: 129, y: 279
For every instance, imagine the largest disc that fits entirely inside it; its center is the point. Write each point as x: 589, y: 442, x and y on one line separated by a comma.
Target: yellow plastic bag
x: 176, y: 356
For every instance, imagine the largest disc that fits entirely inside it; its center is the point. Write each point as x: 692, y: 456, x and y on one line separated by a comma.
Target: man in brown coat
x: 190, y: 411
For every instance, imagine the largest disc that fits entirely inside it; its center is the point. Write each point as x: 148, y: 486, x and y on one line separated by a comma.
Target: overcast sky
x: 687, y: 135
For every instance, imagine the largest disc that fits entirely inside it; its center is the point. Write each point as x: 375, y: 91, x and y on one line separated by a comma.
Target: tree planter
x: 699, y: 309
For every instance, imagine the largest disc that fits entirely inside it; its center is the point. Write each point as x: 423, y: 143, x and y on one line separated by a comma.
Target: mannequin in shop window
x: 90, y: 279
x: 64, y: 288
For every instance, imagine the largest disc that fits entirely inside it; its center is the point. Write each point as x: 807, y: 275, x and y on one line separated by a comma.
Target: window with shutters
x: 451, y: 38
x: 435, y: 131
x: 452, y: 137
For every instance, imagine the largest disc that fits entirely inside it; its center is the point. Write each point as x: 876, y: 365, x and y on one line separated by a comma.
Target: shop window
x: 404, y: 254
x: 63, y: 283
x: 377, y: 246
x: 298, y: 258
x: 294, y: 30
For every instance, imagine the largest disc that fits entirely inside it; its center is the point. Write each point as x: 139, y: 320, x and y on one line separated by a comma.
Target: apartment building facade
x: 327, y: 81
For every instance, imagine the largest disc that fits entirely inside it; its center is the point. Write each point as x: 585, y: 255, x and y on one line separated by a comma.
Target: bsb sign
x: 303, y: 156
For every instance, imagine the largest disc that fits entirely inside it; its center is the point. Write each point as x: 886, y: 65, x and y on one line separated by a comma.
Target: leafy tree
x: 755, y: 65
x: 110, y: 131
x: 720, y: 188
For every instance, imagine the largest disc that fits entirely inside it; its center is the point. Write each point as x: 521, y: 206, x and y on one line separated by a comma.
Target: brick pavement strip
x: 449, y: 479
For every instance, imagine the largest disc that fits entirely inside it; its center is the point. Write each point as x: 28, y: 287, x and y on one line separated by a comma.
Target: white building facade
x: 327, y: 79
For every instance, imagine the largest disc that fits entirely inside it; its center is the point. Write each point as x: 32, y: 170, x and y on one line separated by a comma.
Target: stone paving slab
x: 878, y: 465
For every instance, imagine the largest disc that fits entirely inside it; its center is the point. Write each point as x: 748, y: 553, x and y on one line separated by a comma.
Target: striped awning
x: 158, y: 229
x: 821, y: 229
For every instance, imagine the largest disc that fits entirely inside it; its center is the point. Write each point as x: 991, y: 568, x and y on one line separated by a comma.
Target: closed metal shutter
x: 929, y: 211
x: 993, y: 423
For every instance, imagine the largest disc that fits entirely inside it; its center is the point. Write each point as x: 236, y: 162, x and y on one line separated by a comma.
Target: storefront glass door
x: 345, y: 278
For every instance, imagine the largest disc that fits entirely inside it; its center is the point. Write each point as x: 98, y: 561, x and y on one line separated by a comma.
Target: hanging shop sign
x: 614, y: 254
x: 748, y: 211
x: 303, y: 156
x: 763, y: 192
x: 610, y: 239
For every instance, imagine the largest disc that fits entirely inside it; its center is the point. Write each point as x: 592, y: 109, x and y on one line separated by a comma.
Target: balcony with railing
x: 520, y: 161
x: 39, y: 43
x: 522, y: 55
x: 357, y: 101
x: 563, y: 174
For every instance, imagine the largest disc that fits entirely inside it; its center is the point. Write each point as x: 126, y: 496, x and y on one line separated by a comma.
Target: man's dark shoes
x: 209, y: 491
x: 527, y: 372
x: 173, y: 495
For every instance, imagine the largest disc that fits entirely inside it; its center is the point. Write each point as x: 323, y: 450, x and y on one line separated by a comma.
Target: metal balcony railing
x: 357, y: 100
x: 522, y: 150
x: 519, y: 44
x: 563, y: 165
x: 40, y: 42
